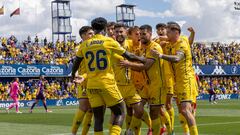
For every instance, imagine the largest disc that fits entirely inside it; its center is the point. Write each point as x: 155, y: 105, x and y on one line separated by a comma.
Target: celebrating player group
x: 125, y: 68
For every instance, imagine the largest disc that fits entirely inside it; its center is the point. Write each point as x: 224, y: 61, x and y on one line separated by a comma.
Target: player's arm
x: 76, y: 64
x: 163, y: 38
x: 79, y: 79
x: 172, y: 58
x: 138, y: 66
x: 192, y: 35
x: 132, y: 57
x: 116, y: 48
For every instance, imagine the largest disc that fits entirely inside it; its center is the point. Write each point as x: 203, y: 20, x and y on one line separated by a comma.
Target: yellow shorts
x: 157, y: 96
x: 142, y: 90
x: 184, y: 92
x: 82, y: 93
x: 129, y: 94
x: 194, y: 99
x: 195, y: 90
x: 100, y: 97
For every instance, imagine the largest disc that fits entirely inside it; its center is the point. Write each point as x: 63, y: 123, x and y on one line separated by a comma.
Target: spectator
x: 53, y: 89
x: 216, y: 54
x: 33, y: 53
x: 221, y: 85
x: 36, y: 39
x: 29, y: 40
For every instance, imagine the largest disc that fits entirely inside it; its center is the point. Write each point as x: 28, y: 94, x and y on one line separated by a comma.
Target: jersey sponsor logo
x: 218, y: 71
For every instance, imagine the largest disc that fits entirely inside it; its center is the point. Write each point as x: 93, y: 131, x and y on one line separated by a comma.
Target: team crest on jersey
x: 184, y: 94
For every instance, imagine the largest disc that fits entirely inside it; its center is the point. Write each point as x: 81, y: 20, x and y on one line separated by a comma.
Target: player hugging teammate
x: 129, y: 67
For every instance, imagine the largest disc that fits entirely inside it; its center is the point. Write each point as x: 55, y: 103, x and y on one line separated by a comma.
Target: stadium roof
x: 126, y: 5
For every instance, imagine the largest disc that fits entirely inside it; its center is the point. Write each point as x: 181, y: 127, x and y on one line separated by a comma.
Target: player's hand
x: 163, y: 38
x: 78, y: 79
x: 163, y: 43
x: 124, y: 63
x: 190, y: 29
x: 155, y: 53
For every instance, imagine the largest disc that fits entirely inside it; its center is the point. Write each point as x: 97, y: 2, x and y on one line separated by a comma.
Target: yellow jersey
x: 122, y: 75
x: 167, y: 66
x: 195, y: 91
x: 155, y: 72
x: 97, y: 53
x: 139, y: 77
x: 183, y: 69
x: 82, y: 70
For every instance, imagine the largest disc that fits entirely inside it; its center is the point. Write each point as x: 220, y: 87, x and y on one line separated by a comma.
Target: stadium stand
x: 27, y: 52
x: 56, y: 89
x: 216, y: 54
x: 40, y: 51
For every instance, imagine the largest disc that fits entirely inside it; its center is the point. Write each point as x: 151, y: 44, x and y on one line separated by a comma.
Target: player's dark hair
x: 147, y: 27
x: 84, y: 30
x: 119, y: 25
x: 174, y: 26
x: 131, y: 29
x: 15, y: 79
x: 109, y: 24
x: 99, y: 24
x: 159, y: 25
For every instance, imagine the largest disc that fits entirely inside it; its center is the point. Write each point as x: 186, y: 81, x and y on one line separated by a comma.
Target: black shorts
x: 40, y: 96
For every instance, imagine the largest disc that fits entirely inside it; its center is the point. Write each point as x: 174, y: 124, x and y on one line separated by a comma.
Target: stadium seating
x: 28, y: 52
x: 222, y: 85
x: 216, y: 54
x: 55, y: 89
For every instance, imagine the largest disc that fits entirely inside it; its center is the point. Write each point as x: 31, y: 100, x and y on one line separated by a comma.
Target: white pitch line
x: 206, y: 124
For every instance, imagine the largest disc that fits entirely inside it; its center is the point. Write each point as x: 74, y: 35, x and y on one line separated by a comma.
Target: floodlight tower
x: 61, y: 23
x: 125, y: 14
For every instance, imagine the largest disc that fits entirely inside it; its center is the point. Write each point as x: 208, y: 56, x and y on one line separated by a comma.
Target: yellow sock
x: 183, y: 122
x: 128, y: 121
x: 171, y: 114
x: 86, y: 124
x: 156, y: 126
x: 79, y: 115
x: 146, y: 119
x: 136, y: 125
x: 193, y: 130
x: 116, y: 130
x: 167, y: 121
x: 98, y: 133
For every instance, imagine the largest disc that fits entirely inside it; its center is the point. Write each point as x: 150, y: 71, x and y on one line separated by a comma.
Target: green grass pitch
x: 218, y: 119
